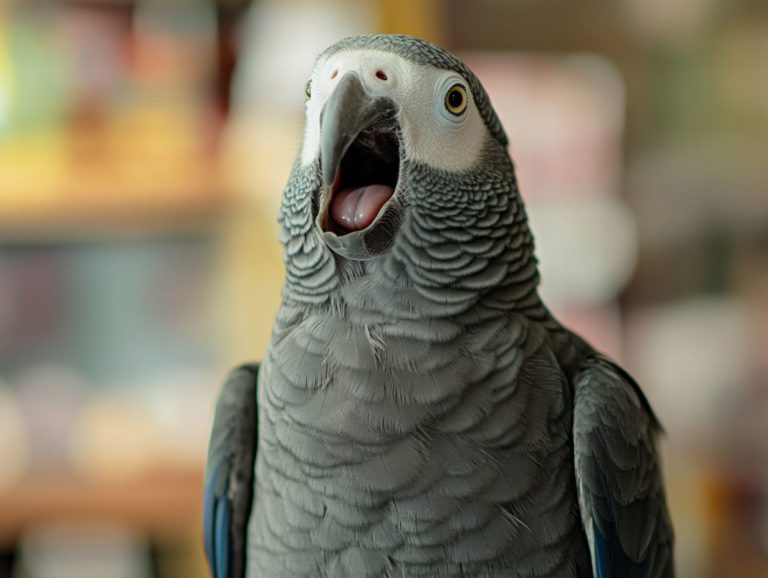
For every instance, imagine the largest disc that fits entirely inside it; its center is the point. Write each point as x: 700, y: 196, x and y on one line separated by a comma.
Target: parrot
x: 419, y: 411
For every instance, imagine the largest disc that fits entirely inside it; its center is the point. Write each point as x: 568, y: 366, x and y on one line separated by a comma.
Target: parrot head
x: 399, y: 134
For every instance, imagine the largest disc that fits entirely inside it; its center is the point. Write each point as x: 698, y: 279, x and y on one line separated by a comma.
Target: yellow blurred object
x: 140, y: 164
x: 425, y: 19
x: 185, y: 558
x: 33, y: 172
x: 113, y: 440
x: 249, y: 285
x: 258, y: 155
x: 689, y: 484
x: 259, y: 151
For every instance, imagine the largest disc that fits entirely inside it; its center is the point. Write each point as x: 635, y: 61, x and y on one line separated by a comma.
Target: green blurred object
x: 39, y: 78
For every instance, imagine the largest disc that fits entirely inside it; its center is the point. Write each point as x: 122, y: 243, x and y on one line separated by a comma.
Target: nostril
x: 381, y: 75
x: 334, y: 74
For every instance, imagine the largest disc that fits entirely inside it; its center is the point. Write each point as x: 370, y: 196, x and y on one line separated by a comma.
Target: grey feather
x: 229, y: 472
x: 618, y: 479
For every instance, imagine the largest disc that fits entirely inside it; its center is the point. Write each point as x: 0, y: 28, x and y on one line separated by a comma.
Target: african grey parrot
x: 420, y: 412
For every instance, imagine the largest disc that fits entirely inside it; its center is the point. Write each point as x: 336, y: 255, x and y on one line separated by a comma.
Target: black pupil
x: 455, y: 98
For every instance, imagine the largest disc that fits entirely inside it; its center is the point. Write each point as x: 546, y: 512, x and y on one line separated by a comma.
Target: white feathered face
x: 440, y: 124
x: 370, y: 111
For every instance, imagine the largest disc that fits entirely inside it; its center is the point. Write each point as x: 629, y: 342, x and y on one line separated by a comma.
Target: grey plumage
x: 421, y: 413
x: 229, y: 473
x: 617, y: 470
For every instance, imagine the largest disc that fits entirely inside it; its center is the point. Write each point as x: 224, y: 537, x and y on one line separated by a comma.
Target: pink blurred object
x: 601, y: 326
x: 51, y: 397
x: 95, y: 45
x: 564, y: 117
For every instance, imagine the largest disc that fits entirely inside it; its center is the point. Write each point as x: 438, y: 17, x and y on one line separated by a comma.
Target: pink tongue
x: 355, y: 209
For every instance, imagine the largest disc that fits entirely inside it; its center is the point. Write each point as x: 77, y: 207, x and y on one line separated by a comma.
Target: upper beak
x: 348, y: 111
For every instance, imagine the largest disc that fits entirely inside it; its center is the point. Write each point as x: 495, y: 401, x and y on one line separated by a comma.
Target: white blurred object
x: 279, y: 43
x: 587, y: 248
x: 82, y: 551
x: 129, y: 428
x: 180, y: 406
x: 692, y: 359
x: 14, y: 445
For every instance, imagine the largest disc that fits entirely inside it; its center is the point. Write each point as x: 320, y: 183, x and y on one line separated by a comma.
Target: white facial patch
x: 431, y: 133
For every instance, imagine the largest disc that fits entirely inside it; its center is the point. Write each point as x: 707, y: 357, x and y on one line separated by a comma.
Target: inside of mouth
x: 366, y: 179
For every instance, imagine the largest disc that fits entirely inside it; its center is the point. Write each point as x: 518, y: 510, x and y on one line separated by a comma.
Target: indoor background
x: 144, y: 146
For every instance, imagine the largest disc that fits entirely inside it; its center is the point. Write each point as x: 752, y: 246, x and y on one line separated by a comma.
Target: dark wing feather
x: 621, y: 494
x: 228, y: 492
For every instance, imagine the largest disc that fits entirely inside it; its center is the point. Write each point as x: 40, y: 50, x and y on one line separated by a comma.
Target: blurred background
x: 144, y: 146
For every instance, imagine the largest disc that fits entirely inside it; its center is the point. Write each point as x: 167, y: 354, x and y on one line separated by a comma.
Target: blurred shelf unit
x: 110, y: 120
x: 101, y: 205
x: 118, y: 3
x: 113, y: 171
x: 159, y: 504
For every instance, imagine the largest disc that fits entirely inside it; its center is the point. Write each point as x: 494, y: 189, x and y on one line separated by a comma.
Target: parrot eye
x: 308, y: 89
x: 456, y: 99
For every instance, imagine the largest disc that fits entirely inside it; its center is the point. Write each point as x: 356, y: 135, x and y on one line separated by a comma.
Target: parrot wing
x: 229, y: 474
x: 620, y: 491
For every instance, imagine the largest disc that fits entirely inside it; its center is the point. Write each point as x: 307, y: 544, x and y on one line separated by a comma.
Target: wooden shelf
x: 67, y: 219
x: 164, y: 504
x: 225, y: 3
x: 140, y: 171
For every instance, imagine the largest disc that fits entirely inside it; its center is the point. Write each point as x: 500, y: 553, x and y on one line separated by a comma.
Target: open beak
x: 349, y: 110
x: 359, y: 157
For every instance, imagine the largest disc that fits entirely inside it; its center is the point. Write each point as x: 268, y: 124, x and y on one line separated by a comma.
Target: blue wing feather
x: 209, y: 511
x: 612, y: 561
x: 602, y: 554
x: 216, y: 514
x: 222, y: 538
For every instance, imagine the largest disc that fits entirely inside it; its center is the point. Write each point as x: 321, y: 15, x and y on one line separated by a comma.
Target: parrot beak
x: 349, y: 111
x: 358, y: 212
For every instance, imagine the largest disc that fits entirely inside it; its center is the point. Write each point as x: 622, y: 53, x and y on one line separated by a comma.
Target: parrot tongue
x: 355, y: 208
x: 365, y: 180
